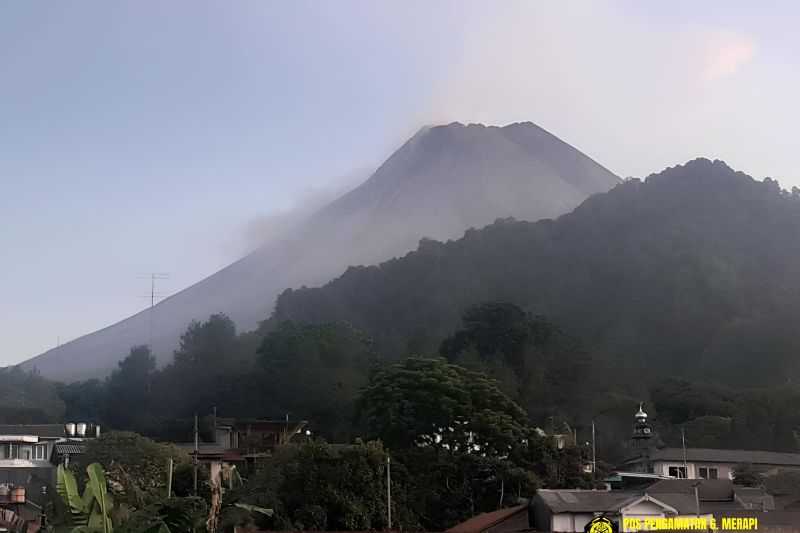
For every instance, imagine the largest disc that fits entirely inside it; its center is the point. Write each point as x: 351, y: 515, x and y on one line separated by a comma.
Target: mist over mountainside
x: 442, y: 181
x: 692, y: 272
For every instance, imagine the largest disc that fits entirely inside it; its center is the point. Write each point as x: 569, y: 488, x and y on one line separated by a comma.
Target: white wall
x: 724, y: 470
x: 570, y: 522
x: 563, y: 522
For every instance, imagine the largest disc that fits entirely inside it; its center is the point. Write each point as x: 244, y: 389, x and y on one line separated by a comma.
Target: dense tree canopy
x: 691, y: 272
x: 429, y: 402
x: 537, y: 364
x: 315, y: 372
x: 28, y: 398
x: 320, y: 486
x: 135, y: 466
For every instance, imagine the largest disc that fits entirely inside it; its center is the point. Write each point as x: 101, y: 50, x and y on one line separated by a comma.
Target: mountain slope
x: 442, y: 181
x: 692, y: 272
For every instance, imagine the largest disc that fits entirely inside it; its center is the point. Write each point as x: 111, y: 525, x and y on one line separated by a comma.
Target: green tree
x: 174, y: 515
x: 28, y: 396
x: 335, y: 487
x: 136, y: 467
x: 532, y: 359
x: 205, y: 368
x: 315, y: 371
x: 748, y: 475
x: 430, y: 402
x: 129, y: 390
x: 85, y: 400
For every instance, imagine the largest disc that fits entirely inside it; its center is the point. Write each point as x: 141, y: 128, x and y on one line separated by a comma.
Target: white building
x: 569, y: 511
x: 697, y: 463
x: 708, y: 463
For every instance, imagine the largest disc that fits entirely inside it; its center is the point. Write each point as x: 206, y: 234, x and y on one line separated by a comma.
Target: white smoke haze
x: 271, y: 227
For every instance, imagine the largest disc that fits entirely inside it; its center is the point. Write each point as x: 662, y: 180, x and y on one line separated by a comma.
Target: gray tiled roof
x: 708, y: 489
x: 41, y: 430
x: 684, y: 503
x: 710, y: 455
x: 585, y: 501
x: 715, y: 496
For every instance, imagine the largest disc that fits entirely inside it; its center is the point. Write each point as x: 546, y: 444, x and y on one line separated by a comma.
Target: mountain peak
x: 444, y: 180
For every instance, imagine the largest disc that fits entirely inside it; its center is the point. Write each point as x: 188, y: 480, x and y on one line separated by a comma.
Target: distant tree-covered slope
x: 440, y: 182
x: 693, y: 272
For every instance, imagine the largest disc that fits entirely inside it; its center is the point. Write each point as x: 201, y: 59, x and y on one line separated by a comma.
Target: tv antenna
x: 153, y: 296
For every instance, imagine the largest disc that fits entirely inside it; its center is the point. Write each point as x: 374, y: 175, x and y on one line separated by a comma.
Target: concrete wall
x: 570, y: 522
x: 724, y: 470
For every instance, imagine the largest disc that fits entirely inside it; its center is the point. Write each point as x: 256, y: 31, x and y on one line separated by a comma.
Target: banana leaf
x: 67, y: 488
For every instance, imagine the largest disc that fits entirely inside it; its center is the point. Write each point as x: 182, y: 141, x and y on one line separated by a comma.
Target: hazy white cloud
x: 725, y: 53
x: 635, y: 90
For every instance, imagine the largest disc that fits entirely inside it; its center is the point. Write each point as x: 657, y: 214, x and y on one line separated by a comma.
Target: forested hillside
x: 690, y: 273
x: 679, y: 291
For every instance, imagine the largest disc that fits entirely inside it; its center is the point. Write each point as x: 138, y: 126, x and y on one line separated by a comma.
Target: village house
x: 569, y: 511
x: 29, y: 455
x: 679, y: 500
x: 707, y: 463
x: 246, y: 442
x: 697, y: 463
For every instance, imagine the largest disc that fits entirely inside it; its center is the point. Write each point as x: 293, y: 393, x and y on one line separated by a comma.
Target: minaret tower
x: 642, y: 432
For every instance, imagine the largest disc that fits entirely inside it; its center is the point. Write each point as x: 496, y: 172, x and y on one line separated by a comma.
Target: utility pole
x: 169, y: 478
x: 683, y: 444
x: 389, y: 490
x: 196, y: 452
x: 214, y: 416
x: 594, y: 455
x: 153, y: 296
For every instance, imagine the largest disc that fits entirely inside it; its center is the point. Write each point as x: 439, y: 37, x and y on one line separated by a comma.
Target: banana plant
x: 90, y: 512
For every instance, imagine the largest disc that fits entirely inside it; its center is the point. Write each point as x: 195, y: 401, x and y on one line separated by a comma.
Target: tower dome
x: 642, y: 432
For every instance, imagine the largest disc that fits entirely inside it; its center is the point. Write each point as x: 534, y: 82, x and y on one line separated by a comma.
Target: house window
x: 677, y: 471
x: 40, y: 452
x: 10, y: 451
x: 708, y: 472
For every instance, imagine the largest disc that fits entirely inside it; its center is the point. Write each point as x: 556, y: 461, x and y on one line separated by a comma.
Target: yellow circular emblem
x: 601, y: 524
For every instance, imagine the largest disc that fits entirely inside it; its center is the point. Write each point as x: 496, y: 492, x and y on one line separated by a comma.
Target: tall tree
x: 535, y: 362
x: 204, y: 367
x: 315, y: 371
x: 129, y: 388
x: 430, y: 402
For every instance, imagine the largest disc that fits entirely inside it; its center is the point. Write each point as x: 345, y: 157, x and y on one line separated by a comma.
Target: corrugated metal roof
x: 484, y: 521
x: 586, y: 501
x: 69, y: 448
x: 711, y: 455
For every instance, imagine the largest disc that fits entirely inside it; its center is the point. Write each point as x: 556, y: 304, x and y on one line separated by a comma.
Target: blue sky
x: 148, y: 136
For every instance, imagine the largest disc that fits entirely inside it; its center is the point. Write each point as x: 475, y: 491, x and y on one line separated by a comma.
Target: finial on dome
x: 641, y: 414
